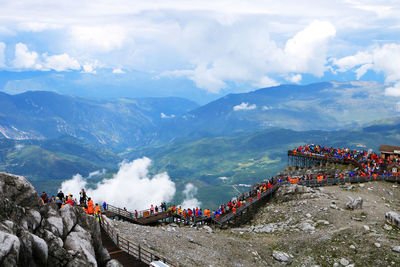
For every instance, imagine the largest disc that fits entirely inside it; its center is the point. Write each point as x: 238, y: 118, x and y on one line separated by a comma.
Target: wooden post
x: 117, y: 240
x: 139, y: 252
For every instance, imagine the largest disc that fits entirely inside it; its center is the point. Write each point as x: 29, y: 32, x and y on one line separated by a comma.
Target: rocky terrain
x: 33, y: 234
x: 330, y: 226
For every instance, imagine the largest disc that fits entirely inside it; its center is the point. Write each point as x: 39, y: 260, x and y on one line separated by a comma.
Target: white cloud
x: 266, y: 108
x: 163, y: 116
x: 37, y: 26
x: 90, y: 67
x: 306, y: 51
x: 2, y: 54
x: 265, y: 81
x: 244, y: 106
x: 294, y: 78
x: 97, y: 173
x: 24, y: 59
x: 118, y: 71
x: 105, y: 38
x: 215, y: 43
x: 393, y: 90
x: 60, y: 62
x: 240, y: 54
x: 382, y: 58
x: 130, y: 187
x: 190, y: 201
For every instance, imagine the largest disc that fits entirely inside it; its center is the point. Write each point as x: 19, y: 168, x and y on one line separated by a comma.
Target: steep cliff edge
x: 33, y: 234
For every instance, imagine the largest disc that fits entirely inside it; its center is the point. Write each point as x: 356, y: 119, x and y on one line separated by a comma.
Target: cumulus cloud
x: 393, y: 90
x: 25, y: 59
x: 90, y: 67
x: 382, y: 58
x: 2, y: 54
x: 190, y: 201
x: 118, y: 71
x: 130, y: 187
x: 244, y: 106
x: 294, y: 78
x: 214, y: 44
x: 60, y: 62
x: 163, y: 116
x: 243, y: 55
x: 265, y: 82
x: 306, y: 51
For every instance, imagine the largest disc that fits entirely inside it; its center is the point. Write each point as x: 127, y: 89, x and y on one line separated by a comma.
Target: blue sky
x: 195, y: 49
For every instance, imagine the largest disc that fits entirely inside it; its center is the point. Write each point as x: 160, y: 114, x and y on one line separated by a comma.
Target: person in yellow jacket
x: 97, y: 212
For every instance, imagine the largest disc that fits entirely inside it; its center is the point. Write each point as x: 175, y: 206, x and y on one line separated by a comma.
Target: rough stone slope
x: 302, y: 226
x: 33, y: 234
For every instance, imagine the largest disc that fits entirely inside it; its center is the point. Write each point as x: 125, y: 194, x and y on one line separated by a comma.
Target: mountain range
x: 235, y: 140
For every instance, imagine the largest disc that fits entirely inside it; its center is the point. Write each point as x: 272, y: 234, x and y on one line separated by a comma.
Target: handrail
x: 324, y: 157
x: 135, y: 250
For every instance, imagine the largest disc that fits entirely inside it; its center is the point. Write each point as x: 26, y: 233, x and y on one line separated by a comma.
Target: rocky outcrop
x: 393, y: 218
x: 33, y: 234
x: 354, y: 204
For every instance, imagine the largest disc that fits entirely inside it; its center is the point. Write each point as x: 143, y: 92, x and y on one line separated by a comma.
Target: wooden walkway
x: 307, y: 160
x: 116, y: 253
x: 133, y: 255
x: 126, y: 252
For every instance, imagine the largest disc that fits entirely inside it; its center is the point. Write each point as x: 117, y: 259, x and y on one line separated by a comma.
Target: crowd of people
x: 370, y: 163
x: 85, y: 202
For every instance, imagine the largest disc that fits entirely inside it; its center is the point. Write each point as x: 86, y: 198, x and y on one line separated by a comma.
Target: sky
x: 195, y: 49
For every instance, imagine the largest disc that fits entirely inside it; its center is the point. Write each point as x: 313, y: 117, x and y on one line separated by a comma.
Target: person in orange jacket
x: 90, y: 206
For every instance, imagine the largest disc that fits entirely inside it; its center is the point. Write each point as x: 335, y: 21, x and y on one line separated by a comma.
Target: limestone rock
x: 40, y: 249
x: 281, y: 256
x: 344, y: 262
x: 354, y: 204
x: 208, y: 229
x: 32, y: 234
x: 80, y: 240
x: 9, y: 249
x: 114, y: 263
x: 393, y: 218
x: 69, y: 217
x: 18, y: 190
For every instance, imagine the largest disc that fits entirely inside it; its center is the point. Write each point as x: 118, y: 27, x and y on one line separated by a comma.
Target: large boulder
x: 354, y: 204
x: 18, y: 190
x: 393, y: 218
x: 9, y: 249
x: 33, y: 234
x: 80, y: 240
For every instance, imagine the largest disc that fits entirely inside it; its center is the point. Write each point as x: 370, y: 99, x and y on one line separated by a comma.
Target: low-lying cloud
x: 244, y: 106
x: 131, y: 187
x: 190, y: 200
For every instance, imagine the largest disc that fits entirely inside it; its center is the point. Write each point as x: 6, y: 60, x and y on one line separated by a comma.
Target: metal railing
x: 136, y: 250
x: 324, y: 157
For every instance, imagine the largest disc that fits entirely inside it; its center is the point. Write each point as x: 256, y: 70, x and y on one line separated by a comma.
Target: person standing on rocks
x: 82, y: 197
x: 60, y: 195
x: 90, y: 206
x: 97, y: 212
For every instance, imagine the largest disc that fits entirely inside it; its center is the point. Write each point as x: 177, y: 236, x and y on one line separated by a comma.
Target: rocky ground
x: 33, y: 234
x: 301, y: 226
